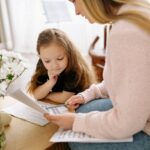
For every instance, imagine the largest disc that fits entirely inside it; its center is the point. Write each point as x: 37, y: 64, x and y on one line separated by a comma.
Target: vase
x: 2, y: 136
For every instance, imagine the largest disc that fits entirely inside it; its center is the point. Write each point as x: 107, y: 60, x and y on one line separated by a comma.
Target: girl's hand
x: 64, y: 121
x: 53, y: 78
x: 75, y: 101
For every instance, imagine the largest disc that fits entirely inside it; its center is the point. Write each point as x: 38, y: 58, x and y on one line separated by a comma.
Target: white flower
x: 12, y: 65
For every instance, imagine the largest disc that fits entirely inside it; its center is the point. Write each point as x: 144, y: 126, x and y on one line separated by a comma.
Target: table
x: 23, y: 135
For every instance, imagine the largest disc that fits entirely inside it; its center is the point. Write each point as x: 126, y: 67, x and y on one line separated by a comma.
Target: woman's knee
x: 95, y: 105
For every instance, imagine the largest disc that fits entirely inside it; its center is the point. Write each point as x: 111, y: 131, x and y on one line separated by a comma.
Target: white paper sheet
x: 31, y: 110
x: 53, y: 109
x: 70, y: 136
x: 24, y: 98
x: 27, y: 113
x: 24, y: 112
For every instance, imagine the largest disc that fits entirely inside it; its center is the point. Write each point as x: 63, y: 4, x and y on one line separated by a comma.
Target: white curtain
x: 28, y: 19
x: 5, y: 29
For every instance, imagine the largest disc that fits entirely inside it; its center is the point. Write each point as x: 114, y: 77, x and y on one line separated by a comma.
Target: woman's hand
x: 64, y: 121
x: 75, y: 101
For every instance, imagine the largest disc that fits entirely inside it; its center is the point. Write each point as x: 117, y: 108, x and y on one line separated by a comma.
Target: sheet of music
x: 70, y: 136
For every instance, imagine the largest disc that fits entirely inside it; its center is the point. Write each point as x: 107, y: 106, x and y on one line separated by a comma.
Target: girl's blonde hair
x: 76, y: 63
x: 106, y: 11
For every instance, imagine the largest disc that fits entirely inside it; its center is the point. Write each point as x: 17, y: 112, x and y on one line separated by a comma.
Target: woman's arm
x: 92, y: 93
x: 95, y: 91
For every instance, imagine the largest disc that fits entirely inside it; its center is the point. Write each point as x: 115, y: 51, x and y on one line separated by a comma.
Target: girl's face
x: 54, y: 58
x: 80, y: 10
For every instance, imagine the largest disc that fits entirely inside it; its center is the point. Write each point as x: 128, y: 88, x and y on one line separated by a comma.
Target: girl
x: 126, y: 79
x: 61, y: 70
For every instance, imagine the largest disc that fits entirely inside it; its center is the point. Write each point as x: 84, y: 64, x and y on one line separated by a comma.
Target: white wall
x: 28, y: 19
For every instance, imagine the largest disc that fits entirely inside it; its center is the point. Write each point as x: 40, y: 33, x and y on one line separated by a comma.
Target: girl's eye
x: 60, y: 58
x: 47, y: 61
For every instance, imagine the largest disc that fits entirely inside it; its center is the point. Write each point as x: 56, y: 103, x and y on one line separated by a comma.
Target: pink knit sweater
x: 126, y: 83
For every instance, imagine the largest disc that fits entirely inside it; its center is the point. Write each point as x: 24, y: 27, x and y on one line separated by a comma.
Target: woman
x: 126, y: 79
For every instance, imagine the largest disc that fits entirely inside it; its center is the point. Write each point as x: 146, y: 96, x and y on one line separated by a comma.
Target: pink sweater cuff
x: 79, y: 127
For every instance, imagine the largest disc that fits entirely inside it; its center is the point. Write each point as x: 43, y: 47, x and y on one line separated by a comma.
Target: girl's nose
x: 54, y: 65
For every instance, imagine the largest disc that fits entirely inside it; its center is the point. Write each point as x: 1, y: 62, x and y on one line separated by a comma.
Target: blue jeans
x: 141, y: 141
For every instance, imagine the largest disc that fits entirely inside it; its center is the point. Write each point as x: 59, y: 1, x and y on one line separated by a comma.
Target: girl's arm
x: 43, y: 90
x: 59, y: 97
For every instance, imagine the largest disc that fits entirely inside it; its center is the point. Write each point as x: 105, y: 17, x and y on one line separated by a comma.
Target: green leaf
x: 10, y: 76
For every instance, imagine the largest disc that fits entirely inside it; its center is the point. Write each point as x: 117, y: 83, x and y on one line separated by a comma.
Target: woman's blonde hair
x: 106, y: 11
x: 76, y: 63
